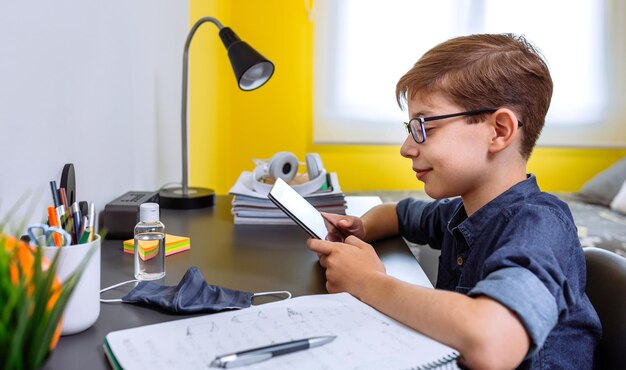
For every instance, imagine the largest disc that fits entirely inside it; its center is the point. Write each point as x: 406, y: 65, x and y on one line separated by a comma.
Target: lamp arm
x: 183, y: 120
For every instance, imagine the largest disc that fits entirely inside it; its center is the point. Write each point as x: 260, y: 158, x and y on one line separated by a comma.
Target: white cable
x: 113, y: 287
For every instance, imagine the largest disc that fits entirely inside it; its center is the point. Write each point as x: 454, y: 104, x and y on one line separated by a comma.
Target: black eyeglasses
x: 416, y: 125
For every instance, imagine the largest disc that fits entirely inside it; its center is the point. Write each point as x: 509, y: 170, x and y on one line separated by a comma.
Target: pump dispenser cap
x: 149, y: 212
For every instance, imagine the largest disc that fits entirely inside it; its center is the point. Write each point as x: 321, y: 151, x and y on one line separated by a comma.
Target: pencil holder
x: 83, y: 307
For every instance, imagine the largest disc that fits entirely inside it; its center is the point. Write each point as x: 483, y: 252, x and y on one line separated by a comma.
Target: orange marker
x: 54, y: 221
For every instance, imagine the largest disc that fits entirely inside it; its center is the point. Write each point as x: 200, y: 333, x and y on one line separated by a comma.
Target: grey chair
x: 606, y: 288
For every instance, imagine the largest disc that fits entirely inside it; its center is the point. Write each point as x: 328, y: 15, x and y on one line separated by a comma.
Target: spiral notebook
x: 366, y: 339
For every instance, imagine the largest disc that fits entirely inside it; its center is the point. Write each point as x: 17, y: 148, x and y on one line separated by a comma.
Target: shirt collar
x: 481, y: 219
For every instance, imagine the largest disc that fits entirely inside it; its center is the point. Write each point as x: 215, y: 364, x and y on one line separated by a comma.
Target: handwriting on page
x: 365, y: 338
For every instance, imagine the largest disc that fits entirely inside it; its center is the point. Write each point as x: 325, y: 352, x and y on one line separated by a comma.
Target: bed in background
x: 599, y: 209
x: 598, y: 225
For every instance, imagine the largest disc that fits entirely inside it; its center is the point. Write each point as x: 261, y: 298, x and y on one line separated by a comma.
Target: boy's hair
x: 486, y: 71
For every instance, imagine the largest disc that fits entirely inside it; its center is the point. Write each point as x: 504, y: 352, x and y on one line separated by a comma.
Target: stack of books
x: 254, y: 208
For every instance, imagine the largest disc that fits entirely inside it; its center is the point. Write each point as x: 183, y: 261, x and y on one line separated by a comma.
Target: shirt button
x: 459, y: 261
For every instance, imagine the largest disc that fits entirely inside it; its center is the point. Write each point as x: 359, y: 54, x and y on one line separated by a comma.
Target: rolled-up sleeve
x: 424, y: 222
x: 409, y: 213
x: 523, y: 293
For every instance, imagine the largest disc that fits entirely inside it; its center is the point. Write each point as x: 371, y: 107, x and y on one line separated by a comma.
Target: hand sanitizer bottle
x: 149, y: 244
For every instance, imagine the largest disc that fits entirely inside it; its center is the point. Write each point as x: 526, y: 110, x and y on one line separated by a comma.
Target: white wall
x: 95, y: 83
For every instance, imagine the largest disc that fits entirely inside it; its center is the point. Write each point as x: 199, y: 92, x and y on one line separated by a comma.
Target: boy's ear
x: 505, y: 130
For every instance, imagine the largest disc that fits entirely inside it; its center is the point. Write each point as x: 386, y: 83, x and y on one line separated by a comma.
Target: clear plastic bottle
x: 149, y: 244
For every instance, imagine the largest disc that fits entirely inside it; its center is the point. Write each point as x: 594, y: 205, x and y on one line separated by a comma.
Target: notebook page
x: 365, y: 337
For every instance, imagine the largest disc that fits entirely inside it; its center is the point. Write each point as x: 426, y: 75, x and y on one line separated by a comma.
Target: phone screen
x: 298, y: 208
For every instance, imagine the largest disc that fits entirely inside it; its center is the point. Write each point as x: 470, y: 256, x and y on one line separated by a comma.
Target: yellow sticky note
x: 173, y: 244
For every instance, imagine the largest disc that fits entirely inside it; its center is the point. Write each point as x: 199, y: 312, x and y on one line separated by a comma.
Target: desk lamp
x: 252, y: 70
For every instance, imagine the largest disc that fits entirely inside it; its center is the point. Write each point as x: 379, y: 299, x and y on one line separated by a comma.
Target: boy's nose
x: 409, y: 148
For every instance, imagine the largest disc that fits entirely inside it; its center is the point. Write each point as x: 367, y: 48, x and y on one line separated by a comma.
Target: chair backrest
x: 606, y: 288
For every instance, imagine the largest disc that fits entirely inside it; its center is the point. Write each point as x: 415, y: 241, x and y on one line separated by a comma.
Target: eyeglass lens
x: 416, y: 128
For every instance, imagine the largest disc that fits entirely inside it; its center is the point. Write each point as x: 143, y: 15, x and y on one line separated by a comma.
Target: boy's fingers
x: 353, y: 240
x: 319, y: 246
x: 336, y: 232
x: 329, y: 216
x: 329, y: 224
x: 334, y: 237
x: 323, y: 261
x: 334, y: 218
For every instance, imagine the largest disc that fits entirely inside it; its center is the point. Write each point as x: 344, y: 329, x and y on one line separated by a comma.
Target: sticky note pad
x: 173, y: 244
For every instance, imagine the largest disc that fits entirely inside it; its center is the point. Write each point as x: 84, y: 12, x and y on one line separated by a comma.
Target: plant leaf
x: 39, y: 353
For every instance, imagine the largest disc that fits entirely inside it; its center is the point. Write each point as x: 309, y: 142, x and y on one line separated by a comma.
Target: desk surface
x: 246, y: 257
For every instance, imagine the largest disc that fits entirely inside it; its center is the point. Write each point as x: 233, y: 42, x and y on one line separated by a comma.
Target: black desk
x: 245, y: 257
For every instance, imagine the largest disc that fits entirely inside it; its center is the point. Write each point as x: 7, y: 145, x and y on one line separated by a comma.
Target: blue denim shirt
x: 522, y: 250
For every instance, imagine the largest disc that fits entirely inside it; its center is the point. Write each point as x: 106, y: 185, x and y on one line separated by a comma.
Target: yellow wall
x: 229, y: 127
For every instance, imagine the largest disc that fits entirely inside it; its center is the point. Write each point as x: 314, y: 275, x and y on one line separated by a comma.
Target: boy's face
x: 453, y: 159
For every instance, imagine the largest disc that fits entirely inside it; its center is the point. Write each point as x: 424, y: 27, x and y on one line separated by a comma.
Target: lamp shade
x: 251, y: 68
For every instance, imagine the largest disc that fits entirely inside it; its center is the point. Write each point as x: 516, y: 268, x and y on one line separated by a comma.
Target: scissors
x: 37, y: 231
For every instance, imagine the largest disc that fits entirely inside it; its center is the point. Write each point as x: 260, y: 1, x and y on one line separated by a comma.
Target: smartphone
x: 298, y: 209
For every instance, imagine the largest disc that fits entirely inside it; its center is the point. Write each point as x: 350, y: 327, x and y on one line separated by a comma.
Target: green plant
x: 31, y: 303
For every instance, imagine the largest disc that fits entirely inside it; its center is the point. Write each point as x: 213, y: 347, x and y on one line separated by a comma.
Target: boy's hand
x: 349, y: 266
x: 341, y: 226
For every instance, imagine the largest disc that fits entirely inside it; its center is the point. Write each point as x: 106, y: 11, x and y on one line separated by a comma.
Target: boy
x: 511, y: 281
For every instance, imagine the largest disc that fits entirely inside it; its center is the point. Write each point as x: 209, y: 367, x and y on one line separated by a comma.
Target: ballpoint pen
x: 84, y: 230
x: 84, y: 237
x: 63, y: 199
x: 255, y: 355
x: 92, y: 222
x: 76, y: 217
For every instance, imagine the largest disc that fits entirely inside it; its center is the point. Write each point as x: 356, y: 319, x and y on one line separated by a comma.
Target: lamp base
x: 173, y: 198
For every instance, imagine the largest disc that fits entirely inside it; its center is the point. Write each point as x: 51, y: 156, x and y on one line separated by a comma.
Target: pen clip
x: 229, y: 361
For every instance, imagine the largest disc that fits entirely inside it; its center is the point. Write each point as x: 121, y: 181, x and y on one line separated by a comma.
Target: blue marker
x: 55, y: 195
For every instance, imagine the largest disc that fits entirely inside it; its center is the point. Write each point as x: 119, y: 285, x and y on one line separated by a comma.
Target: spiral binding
x: 447, y: 362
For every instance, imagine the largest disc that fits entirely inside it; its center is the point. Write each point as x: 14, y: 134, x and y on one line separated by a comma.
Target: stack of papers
x: 253, y: 208
x: 173, y: 244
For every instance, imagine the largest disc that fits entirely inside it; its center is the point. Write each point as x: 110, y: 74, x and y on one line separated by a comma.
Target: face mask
x: 191, y: 295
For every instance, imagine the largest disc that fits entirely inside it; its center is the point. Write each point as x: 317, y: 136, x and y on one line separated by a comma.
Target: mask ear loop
x: 115, y: 300
x: 279, y: 293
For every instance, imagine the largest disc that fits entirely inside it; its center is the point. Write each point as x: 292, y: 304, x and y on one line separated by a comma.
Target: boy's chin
x: 438, y: 193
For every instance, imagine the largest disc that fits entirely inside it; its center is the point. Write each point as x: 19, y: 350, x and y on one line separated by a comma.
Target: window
x: 362, y: 48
